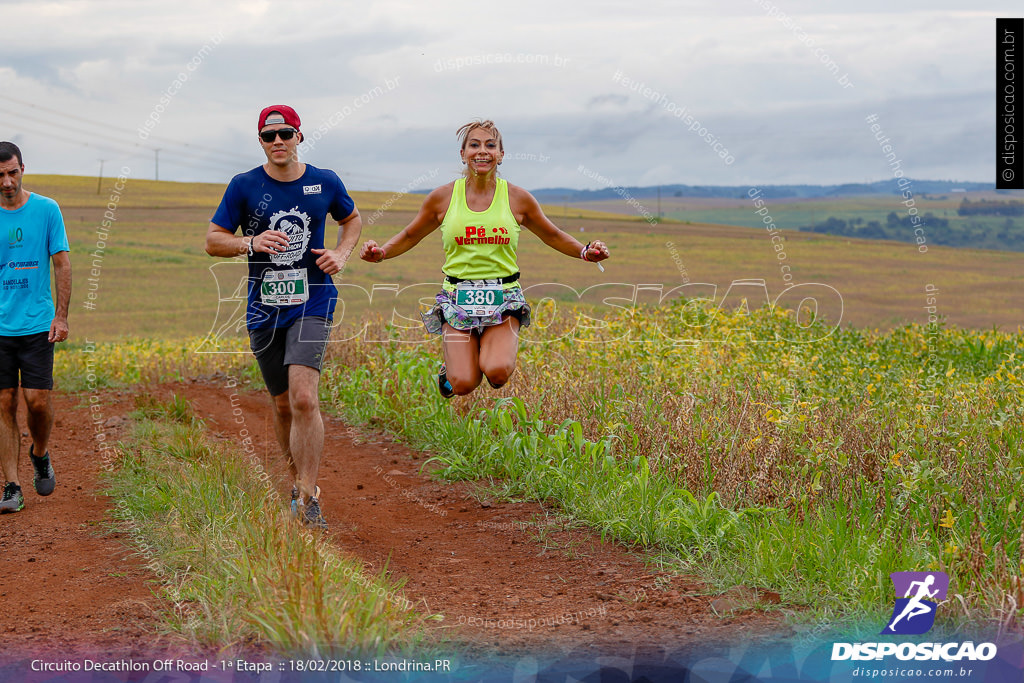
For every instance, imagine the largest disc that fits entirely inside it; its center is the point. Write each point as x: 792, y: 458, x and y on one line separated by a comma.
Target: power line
x: 134, y: 150
x: 65, y: 127
x: 139, y: 147
x: 198, y: 151
x: 102, y: 124
x: 129, y: 153
x: 120, y: 141
x: 132, y: 153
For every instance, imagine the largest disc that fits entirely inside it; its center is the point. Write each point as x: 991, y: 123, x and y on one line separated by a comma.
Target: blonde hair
x: 463, y: 135
x: 488, y: 125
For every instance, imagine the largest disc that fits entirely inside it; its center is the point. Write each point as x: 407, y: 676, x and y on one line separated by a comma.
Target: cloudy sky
x: 585, y: 93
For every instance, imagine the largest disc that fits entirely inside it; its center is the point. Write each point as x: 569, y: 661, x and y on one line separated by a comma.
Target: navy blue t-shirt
x: 254, y: 202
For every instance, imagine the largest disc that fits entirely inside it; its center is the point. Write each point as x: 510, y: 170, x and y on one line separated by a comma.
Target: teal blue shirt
x: 29, y: 236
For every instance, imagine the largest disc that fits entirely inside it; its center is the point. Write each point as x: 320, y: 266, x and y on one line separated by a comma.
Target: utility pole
x: 157, y: 153
x: 99, y: 181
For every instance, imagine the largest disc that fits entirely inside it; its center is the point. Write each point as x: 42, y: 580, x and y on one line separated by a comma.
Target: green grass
x: 154, y: 278
x: 814, y: 465
x: 90, y: 366
x: 789, y: 214
x: 237, y: 572
x: 761, y: 452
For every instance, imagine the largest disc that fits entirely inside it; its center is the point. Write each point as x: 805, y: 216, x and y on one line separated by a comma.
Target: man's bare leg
x: 10, y: 438
x: 307, y: 426
x: 283, y: 429
x: 40, y: 418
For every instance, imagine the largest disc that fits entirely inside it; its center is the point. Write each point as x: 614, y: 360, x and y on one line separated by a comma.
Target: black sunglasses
x: 285, y: 133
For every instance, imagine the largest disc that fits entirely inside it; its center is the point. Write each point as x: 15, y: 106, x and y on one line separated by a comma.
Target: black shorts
x: 278, y: 347
x: 29, y: 354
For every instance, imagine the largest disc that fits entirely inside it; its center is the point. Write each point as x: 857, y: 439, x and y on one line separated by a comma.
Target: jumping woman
x: 480, y: 307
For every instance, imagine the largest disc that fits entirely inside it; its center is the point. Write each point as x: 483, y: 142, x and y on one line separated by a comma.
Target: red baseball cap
x: 278, y: 113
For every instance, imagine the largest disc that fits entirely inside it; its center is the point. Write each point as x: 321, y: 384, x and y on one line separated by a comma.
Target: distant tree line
x: 1007, y: 235
x: 895, y: 227
x: 990, y: 207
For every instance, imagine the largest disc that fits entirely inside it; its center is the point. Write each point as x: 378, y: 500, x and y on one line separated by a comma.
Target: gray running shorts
x: 276, y: 348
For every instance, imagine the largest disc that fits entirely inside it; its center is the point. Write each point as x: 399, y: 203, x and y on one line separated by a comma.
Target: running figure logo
x: 295, y: 224
x: 914, y: 613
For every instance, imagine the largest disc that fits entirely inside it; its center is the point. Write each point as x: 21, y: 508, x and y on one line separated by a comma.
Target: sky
x: 586, y: 94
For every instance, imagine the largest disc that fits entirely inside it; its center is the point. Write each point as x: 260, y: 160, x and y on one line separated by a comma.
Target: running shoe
x: 311, y: 515
x: 295, y: 501
x: 443, y: 385
x: 12, y: 500
x: 45, y: 480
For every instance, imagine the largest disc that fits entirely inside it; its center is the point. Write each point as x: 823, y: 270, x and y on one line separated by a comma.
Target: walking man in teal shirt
x: 31, y: 235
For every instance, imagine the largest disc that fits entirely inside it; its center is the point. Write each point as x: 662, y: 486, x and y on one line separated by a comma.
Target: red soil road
x: 70, y: 586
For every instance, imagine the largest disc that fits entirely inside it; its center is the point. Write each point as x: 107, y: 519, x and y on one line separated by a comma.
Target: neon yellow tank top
x: 479, y: 245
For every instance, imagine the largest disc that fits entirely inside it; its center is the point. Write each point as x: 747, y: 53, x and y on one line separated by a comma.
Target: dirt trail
x: 508, y: 577
x: 67, y: 584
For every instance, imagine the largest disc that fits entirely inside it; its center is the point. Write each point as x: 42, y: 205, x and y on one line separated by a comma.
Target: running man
x: 29, y: 322
x: 481, y: 307
x: 281, y: 208
x: 914, y: 606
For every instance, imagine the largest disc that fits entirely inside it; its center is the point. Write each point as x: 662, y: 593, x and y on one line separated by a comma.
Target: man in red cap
x: 281, y: 210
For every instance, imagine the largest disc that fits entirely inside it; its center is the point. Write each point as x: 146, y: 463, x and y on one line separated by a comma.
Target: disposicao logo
x: 914, y: 613
x: 918, y: 594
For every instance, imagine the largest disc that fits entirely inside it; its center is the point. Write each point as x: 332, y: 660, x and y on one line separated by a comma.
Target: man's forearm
x: 62, y: 274
x: 227, y: 244
x: 348, y: 236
